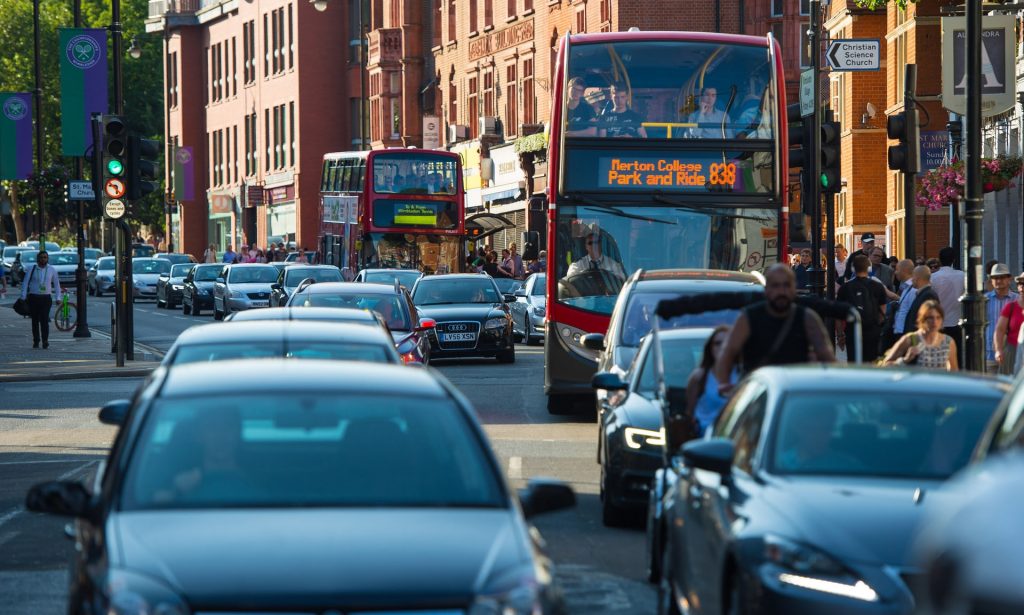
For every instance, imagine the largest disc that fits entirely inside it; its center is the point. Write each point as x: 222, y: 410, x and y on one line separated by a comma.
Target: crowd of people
x: 509, y: 264
x: 254, y: 254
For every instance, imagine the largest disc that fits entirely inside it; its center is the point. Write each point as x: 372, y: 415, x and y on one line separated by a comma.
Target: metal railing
x: 159, y: 8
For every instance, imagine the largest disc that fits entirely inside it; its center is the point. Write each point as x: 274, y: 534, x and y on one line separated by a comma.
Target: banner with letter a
x: 15, y: 135
x: 83, y: 85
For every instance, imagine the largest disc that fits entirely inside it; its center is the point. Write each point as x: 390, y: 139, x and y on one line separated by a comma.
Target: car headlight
x: 811, y: 569
x: 140, y: 284
x: 133, y: 594
x: 538, y: 310
x: 496, y: 323
x: 237, y: 294
x: 521, y: 600
x: 638, y: 438
x: 177, y: 287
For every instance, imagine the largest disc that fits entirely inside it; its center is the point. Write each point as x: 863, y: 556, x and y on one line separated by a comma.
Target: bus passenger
x: 580, y: 116
x: 620, y: 120
x: 709, y: 119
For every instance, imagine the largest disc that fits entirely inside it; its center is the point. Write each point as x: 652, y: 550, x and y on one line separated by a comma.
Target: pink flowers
x: 945, y: 185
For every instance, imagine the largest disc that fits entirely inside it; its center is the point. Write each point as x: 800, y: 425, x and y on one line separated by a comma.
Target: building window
x: 606, y: 16
x: 778, y: 33
x: 511, y: 8
x: 234, y: 67
x: 529, y: 100
x: 452, y: 25
x: 472, y: 15
x: 291, y: 133
x: 805, y: 45
x: 396, y: 117
x: 266, y: 45
x: 527, y: 6
x: 291, y: 39
x: 266, y: 139
x: 249, y: 45
x: 489, y: 93
x: 473, y: 109
x: 901, y: 61
x: 453, y: 101
x: 805, y: 7
x: 581, y: 19
x: 436, y: 34
x: 511, y: 102
x: 777, y: 6
x: 488, y: 13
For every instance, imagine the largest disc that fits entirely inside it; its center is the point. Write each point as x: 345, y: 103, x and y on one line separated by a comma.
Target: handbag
x: 21, y: 307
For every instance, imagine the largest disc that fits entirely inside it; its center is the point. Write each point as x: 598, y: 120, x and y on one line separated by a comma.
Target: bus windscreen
x: 406, y: 174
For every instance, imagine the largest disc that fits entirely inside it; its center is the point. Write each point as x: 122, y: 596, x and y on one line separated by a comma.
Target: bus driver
x: 594, y: 260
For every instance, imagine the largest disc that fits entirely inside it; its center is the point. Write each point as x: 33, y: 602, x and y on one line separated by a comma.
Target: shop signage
x: 493, y: 42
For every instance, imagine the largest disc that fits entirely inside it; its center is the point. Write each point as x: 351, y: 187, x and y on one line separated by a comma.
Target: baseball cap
x: 867, y: 238
x: 999, y: 270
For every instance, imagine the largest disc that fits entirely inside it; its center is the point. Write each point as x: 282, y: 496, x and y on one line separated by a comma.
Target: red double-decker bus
x: 394, y: 208
x: 667, y: 150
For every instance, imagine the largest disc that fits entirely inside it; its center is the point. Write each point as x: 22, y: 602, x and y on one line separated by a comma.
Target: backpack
x: 859, y: 295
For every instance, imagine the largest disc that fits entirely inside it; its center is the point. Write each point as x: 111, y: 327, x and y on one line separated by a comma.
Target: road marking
x: 515, y: 467
x: 160, y: 314
x: 182, y: 318
x: 14, y: 512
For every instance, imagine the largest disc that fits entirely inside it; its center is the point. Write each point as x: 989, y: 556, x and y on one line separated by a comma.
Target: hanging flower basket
x: 945, y: 185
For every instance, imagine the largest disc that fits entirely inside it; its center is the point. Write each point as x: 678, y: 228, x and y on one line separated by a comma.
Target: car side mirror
x: 608, y: 381
x: 508, y: 298
x: 114, y: 412
x: 521, y: 292
x: 544, y: 495
x: 426, y: 324
x: 64, y: 498
x: 219, y: 280
x: 593, y: 341
x: 713, y: 455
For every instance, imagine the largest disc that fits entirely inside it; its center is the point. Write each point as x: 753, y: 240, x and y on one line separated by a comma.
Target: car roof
x: 278, y: 375
x: 390, y: 270
x: 331, y: 314
x: 686, y: 333
x: 695, y: 280
x: 275, y: 330
x: 233, y: 265
x: 456, y: 276
x: 349, y: 288
x: 303, y: 265
x: 837, y: 377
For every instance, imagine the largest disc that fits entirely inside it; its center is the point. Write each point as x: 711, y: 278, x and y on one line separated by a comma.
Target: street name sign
x: 114, y: 209
x: 807, y: 92
x: 80, y: 191
x: 998, y: 81
x: 852, y: 54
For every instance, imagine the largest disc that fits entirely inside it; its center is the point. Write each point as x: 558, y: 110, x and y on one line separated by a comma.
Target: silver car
x: 145, y: 274
x: 66, y: 264
x: 100, y: 277
x: 528, y: 310
x: 242, y: 287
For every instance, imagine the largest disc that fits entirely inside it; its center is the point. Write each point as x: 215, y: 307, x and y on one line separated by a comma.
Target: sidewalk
x: 67, y: 358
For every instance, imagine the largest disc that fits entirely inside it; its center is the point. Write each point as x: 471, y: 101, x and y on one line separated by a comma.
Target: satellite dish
x: 871, y: 110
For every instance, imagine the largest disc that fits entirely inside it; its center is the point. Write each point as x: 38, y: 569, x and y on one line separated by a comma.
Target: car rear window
x: 293, y: 276
x: 637, y: 321
x: 390, y: 307
x: 334, y: 350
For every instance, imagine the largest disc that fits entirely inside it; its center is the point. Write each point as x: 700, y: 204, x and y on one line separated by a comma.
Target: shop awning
x: 482, y: 225
x: 513, y: 193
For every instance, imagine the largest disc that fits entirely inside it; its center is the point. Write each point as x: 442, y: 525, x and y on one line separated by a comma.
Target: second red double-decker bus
x: 395, y: 208
x: 666, y: 151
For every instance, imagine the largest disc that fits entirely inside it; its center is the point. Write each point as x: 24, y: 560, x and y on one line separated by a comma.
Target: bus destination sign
x: 672, y: 173
x: 413, y: 214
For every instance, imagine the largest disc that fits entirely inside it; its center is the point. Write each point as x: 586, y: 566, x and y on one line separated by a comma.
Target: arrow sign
x: 852, y: 54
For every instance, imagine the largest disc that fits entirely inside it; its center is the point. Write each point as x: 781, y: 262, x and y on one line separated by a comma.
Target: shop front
x: 280, y: 201
x: 222, y: 230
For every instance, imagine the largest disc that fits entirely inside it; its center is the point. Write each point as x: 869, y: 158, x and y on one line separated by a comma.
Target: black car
x: 808, y: 498
x: 472, y: 317
x: 197, y: 290
x: 393, y: 303
x: 631, y: 436
x: 170, y: 286
x: 318, y: 487
x: 289, y: 277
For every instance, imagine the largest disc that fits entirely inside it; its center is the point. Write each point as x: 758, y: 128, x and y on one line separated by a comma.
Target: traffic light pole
x: 909, y: 185
x: 816, y: 273
x: 973, y: 301
x: 82, y: 323
x: 37, y: 99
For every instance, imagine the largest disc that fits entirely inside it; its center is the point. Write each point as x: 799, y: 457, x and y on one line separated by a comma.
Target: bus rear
x: 665, y: 153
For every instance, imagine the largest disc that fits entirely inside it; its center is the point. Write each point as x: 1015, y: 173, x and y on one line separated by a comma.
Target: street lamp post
x: 38, y: 103
x: 82, y: 323
x: 973, y: 301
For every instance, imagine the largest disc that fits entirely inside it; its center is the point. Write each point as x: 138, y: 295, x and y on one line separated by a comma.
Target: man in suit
x: 923, y: 285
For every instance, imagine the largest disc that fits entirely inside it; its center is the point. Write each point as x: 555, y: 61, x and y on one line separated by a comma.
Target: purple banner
x: 15, y: 135
x: 83, y: 85
x: 184, y: 174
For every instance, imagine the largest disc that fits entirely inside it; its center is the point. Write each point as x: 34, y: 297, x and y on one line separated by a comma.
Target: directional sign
x: 855, y: 54
x: 80, y: 191
x: 114, y: 209
x: 807, y: 92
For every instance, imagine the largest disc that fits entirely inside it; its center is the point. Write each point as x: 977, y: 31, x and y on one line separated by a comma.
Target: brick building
x: 259, y: 108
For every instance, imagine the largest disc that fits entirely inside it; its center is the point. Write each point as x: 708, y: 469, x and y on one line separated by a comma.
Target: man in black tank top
x: 775, y: 331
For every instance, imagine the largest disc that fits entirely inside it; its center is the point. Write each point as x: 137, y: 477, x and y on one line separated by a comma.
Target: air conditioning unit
x: 488, y: 125
x: 457, y: 132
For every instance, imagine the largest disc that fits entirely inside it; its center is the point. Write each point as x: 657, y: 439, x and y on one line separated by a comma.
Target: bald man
x: 775, y: 331
x: 922, y: 281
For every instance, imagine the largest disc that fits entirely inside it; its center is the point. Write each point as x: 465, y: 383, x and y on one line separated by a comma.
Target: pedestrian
x: 922, y: 281
x: 803, y: 266
x: 868, y: 296
x: 867, y: 241
x: 301, y: 258
x: 491, y: 266
x: 949, y: 286
x: 261, y: 256
x: 896, y: 311
x: 210, y: 255
x: 40, y: 287
x: 928, y: 346
x: 230, y: 256
x: 775, y: 331
x: 840, y: 264
x: 518, y: 270
x: 3, y: 280
x: 541, y: 264
x: 996, y: 299
x: 879, y: 269
x: 252, y: 253
x: 506, y: 266
x: 1007, y: 329
x: 271, y: 252
x: 703, y: 400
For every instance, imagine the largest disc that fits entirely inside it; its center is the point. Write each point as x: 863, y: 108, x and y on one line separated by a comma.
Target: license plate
x: 458, y: 337
x: 260, y: 303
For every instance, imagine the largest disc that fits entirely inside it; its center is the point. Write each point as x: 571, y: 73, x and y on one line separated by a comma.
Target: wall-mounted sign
x: 431, y: 132
x: 997, y: 64
x: 493, y: 42
x: 934, y: 148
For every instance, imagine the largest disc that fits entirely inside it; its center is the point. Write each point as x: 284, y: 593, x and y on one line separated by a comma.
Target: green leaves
x: 880, y: 4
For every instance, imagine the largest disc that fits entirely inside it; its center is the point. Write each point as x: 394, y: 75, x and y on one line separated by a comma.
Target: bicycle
x: 67, y: 315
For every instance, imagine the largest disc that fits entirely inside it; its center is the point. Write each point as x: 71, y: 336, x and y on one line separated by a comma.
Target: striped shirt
x: 993, y: 307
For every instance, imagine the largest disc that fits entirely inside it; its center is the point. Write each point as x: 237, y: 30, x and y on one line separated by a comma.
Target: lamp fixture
x: 134, y: 50
x: 320, y: 5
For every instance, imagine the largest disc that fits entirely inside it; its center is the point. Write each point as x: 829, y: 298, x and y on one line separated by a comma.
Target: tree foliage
x: 143, y: 78
x: 880, y: 4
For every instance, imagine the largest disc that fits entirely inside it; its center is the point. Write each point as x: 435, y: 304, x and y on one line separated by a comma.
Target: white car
x: 145, y: 274
x: 66, y: 264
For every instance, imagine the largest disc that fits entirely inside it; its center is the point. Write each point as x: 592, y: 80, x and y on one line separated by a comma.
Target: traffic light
x: 113, y: 135
x: 797, y: 137
x: 831, y: 168
x: 140, y: 169
x: 906, y: 155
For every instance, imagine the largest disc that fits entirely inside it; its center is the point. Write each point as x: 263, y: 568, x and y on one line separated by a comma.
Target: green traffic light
x: 824, y: 180
x: 114, y: 167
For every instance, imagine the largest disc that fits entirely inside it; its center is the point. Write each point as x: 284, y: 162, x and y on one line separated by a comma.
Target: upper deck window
x: 423, y: 174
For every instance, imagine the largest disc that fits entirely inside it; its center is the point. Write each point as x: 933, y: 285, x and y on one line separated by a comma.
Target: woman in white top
x: 210, y: 256
x: 927, y: 347
x: 38, y: 288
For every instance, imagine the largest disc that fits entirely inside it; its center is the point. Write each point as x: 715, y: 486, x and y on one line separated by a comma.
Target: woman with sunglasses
x: 1008, y: 327
x: 927, y: 347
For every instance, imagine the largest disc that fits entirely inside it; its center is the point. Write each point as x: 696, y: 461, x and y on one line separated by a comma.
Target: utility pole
x: 123, y: 248
x: 973, y: 302
x: 82, y: 324
x: 816, y: 273
x: 913, y: 161
x: 38, y: 100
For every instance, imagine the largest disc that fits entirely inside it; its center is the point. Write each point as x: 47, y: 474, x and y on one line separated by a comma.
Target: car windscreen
x: 180, y: 271
x: 11, y: 252
x: 459, y: 290
x: 508, y: 286
x: 637, y: 321
x: 93, y: 253
x: 308, y: 447
x: 175, y: 258
x: 388, y: 306
x: 405, y: 278
x: 303, y: 349
x: 253, y: 275
x: 294, y: 275
x: 156, y: 265
x: 106, y: 263
x: 679, y: 357
x: 63, y: 258
x: 539, y: 286
x: 879, y: 433
x: 206, y: 274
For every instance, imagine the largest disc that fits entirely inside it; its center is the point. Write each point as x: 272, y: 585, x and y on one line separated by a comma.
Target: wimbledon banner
x: 15, y: 135
x: 184, y: 174
x: 83, y: 85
